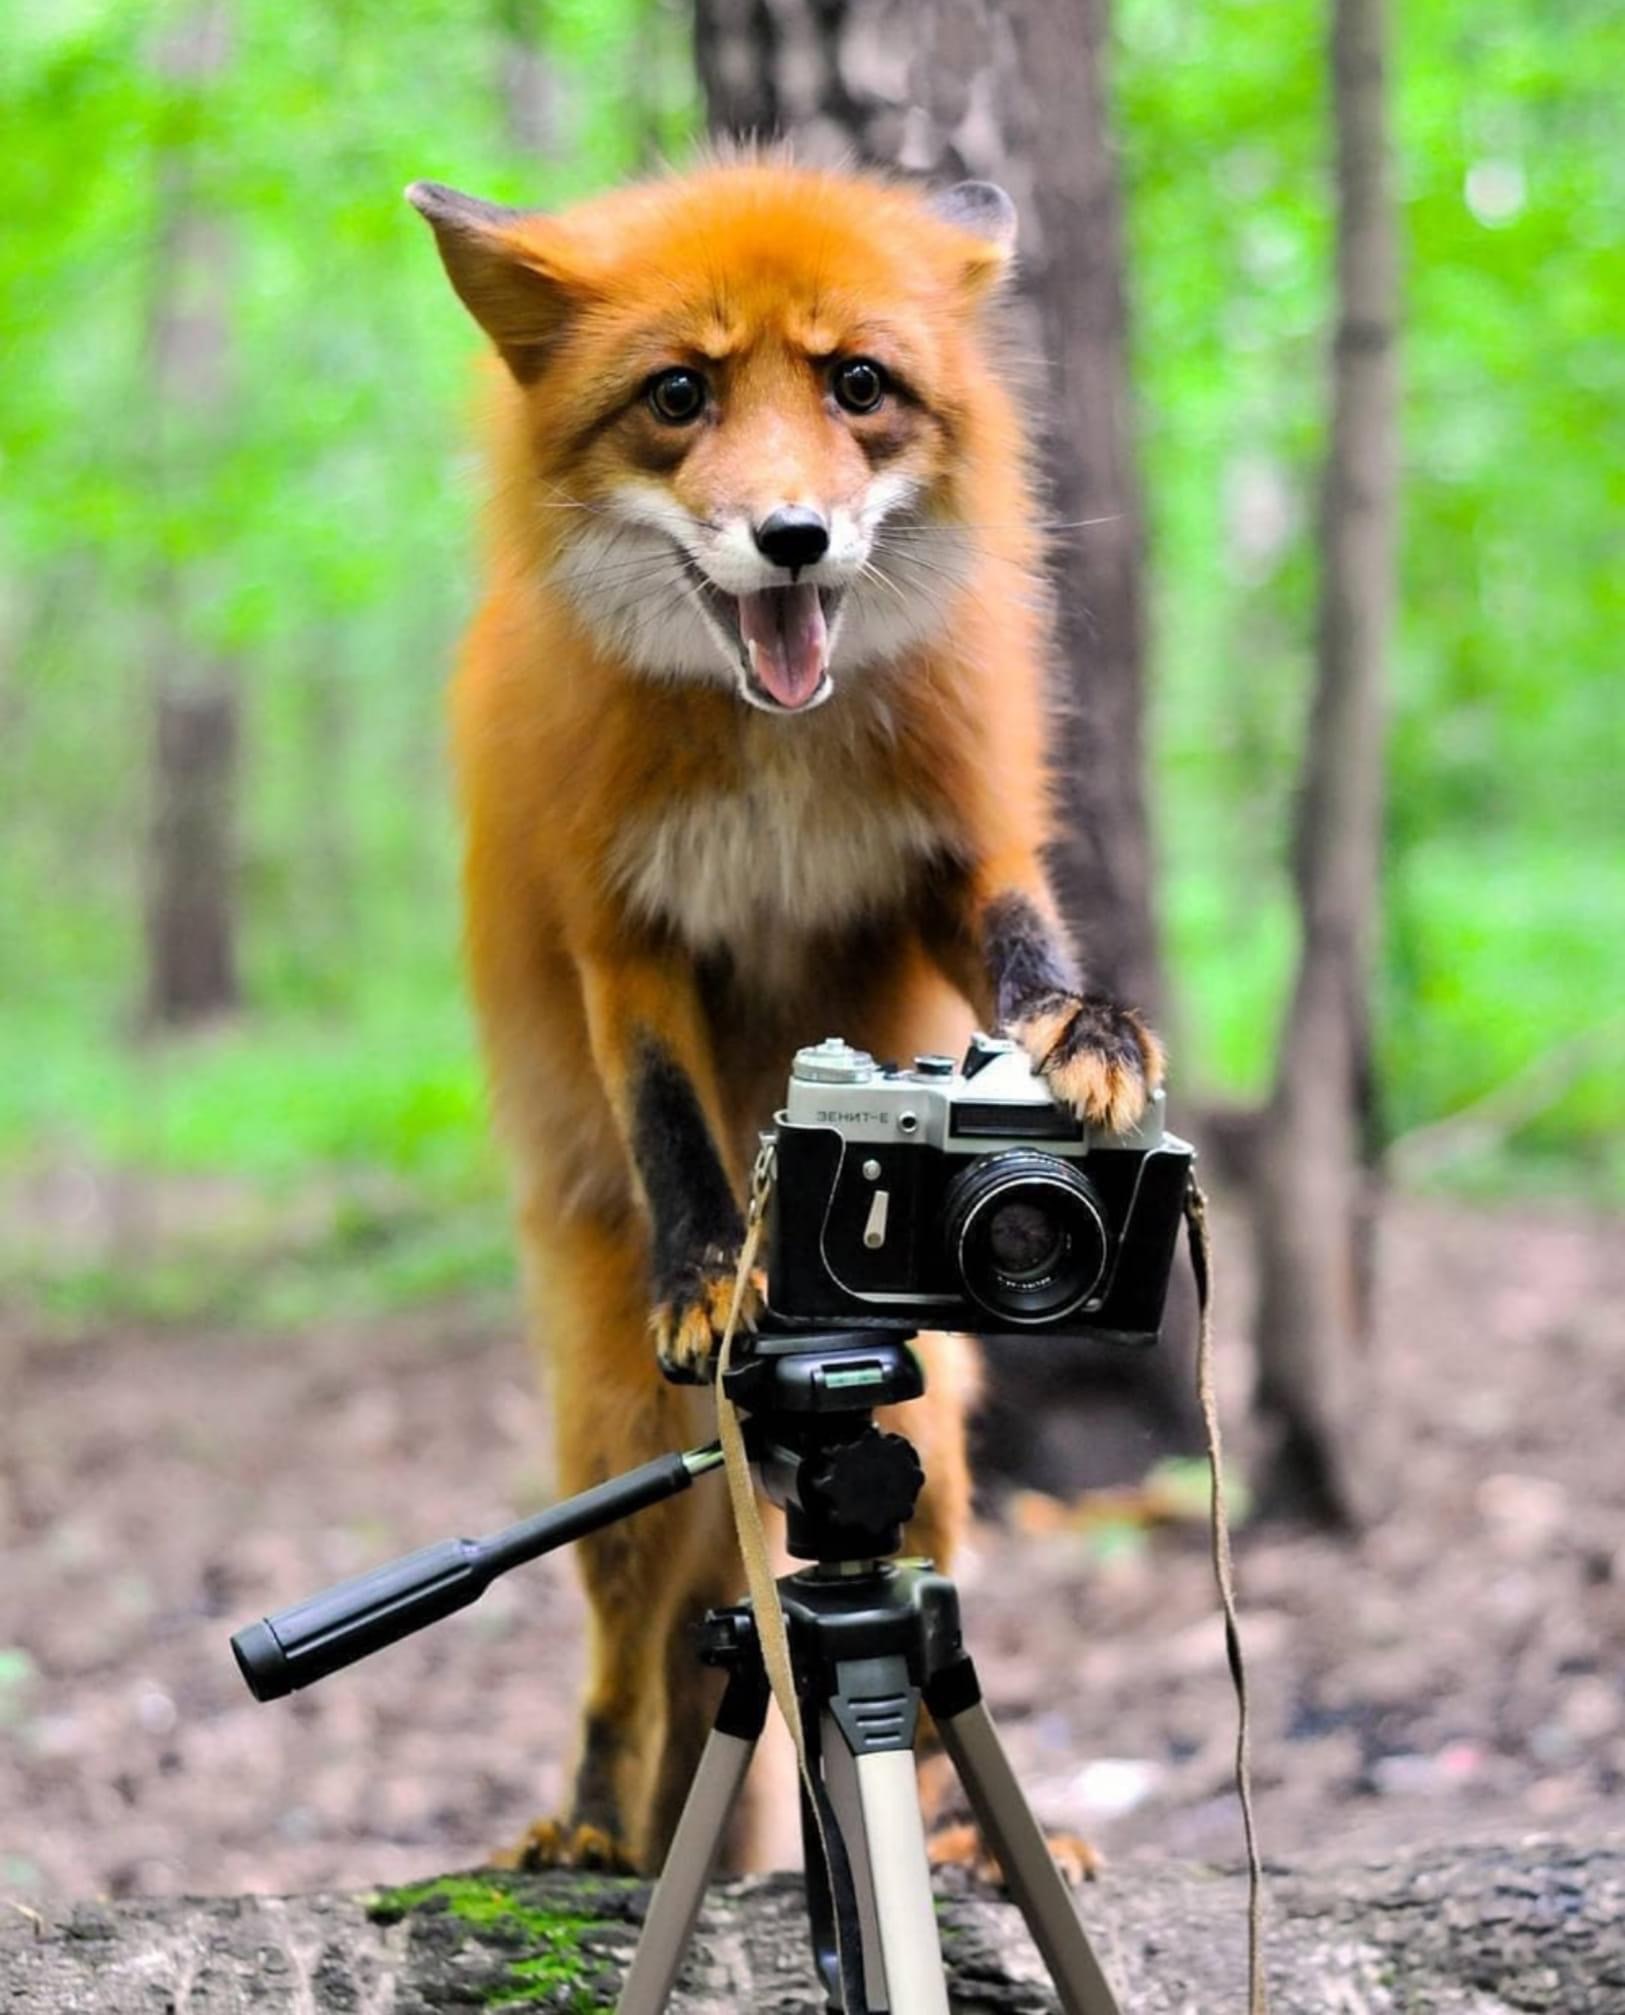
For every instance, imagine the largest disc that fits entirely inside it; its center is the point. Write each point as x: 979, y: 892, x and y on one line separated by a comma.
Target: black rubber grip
x: 300, y: 1645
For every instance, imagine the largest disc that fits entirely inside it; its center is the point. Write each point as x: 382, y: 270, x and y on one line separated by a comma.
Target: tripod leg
x: 900, y: 1877
x: 677, y: 1897
x: 1008, y: 1825
x: 841, y: 1779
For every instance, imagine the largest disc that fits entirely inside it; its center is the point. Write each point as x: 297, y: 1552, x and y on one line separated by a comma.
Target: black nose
x: 793, y: 536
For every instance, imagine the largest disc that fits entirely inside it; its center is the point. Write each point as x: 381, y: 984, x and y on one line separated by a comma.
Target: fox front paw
x: 689, y: 1321
x: 1098, y: 1058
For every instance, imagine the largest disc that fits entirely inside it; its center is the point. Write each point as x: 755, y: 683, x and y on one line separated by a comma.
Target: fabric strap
x: 1201, y: 1246
x: 771, y: 1632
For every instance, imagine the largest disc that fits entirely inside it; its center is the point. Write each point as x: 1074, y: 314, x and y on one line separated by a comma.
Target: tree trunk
x: 1455, y: 1931
x: 955, y: 88
x: 328, y: 919
x: 1315, y: 1192
x: 191, y: 866
x: 659, y: 89
x: 1016, y: 94
x: 192, y: 972
x: 529, y: 89
x: 1075, y: 266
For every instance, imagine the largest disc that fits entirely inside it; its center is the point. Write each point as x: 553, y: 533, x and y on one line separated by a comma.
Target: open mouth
x: 781, y: 636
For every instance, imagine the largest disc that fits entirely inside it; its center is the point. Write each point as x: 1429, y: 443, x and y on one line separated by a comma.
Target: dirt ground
x: 1457, y: 1672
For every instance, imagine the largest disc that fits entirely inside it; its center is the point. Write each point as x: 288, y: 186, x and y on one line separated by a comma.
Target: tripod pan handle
x: 326, y: 1632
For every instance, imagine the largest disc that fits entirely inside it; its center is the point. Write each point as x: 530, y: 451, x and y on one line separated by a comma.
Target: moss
x: 552, y: 1971
x: 476, y: 1899
x: 552, y: 1980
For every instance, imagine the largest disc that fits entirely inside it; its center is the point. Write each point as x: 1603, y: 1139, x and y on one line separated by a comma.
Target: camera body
x: 962, y: 1196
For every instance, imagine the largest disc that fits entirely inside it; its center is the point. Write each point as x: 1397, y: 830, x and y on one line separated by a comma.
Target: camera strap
x: 1200, y: 1239
x: 772, y: 1635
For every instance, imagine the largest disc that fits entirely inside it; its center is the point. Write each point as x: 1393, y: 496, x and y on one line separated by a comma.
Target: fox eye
x: 676, y: 396
x: 859, y: 384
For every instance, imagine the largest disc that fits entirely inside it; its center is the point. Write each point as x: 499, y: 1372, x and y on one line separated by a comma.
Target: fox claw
x: 689, y: 1324
x: 960, y: 1845
x: 559, y: 1843
x: 1098, y: 1058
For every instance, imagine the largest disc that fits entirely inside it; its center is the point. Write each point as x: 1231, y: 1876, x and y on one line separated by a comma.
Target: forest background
x: 301, y: 534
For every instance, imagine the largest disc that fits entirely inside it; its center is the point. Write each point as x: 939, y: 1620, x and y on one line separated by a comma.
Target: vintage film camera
x: 964, y: 1197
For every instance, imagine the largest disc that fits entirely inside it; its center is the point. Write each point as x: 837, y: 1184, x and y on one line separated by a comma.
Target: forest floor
x: 1455, y: 1673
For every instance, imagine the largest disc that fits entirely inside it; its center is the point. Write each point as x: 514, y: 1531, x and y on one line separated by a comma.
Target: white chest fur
x: 783, y: 856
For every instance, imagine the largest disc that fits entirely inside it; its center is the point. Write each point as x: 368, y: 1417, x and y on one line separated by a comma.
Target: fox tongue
x: 786, y: 641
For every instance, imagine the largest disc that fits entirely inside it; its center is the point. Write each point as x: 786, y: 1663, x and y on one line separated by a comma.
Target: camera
x: 963, y: 1196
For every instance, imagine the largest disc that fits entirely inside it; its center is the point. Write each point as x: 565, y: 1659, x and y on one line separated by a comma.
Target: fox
x: 752, y: 734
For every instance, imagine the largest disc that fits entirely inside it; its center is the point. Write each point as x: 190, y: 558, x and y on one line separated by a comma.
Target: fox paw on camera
x: 688, y: 1320
x: 1098, y: 1058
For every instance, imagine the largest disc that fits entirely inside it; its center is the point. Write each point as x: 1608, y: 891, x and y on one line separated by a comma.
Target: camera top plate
x: 993, y: 1098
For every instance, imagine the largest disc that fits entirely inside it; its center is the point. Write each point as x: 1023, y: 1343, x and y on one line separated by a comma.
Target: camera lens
x: 1024, y: 1240
x: 1028, y: 1236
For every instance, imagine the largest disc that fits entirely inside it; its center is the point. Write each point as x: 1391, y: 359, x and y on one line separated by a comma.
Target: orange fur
x: 651, y: 861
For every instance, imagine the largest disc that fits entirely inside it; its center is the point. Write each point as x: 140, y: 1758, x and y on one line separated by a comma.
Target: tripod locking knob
x: 872, y: 1482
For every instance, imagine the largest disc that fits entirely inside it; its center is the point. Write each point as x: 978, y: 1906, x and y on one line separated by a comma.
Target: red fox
x: 751, y: 737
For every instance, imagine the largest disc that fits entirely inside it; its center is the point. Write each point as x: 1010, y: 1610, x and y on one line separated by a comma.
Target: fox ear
x: 504, y: 270
x: 984, y: 212
x: 982, y: 208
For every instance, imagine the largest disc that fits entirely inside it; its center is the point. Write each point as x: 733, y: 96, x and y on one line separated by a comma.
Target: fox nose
x: 792, y: 536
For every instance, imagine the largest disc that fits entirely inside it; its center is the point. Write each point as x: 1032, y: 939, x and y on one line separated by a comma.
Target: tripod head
x: 846, y: 1487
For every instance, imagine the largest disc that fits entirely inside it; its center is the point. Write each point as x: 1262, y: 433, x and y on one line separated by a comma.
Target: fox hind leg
x: 645, y: 1578
x: 713, y: 1580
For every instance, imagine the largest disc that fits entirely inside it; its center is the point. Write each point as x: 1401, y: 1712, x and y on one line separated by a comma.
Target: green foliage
x: 323, y: 526
x: 1504, y: 879
x: 314, y: 1167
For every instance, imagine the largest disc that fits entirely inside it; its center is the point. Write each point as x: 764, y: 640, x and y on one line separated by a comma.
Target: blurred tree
x: 1315, y: 1181
x: 1016, y: 94
x: 1077, y: 279
x: 529, y: 88
x: 191, y: 924
x: 956, y: 88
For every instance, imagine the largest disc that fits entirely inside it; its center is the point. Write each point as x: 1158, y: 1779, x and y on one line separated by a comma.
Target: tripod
x: 873, y: 1639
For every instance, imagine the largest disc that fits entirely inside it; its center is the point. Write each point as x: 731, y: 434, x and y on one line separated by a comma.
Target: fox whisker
x: 958, y: 579
x: 925, y: 528
x: 648, y: 566
x: 561, y: 502
x: 871, y: 572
